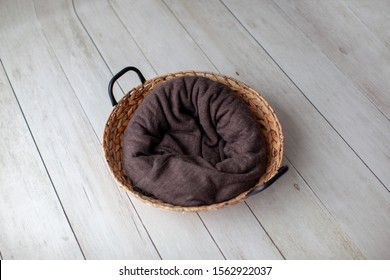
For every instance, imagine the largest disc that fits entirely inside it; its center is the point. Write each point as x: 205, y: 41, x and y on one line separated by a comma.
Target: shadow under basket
x: 125, y: 108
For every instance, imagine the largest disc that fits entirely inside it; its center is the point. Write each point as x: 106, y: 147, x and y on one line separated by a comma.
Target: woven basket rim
x: 161, y: 204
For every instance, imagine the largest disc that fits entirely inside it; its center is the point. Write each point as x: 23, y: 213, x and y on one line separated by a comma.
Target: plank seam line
x: 216, y: 244
x: 269, y: 236
x: 43, y: 162
x: 345, y: 75
x: 105, y: 62
x: 93, y: 42
x: 86, y: 116
x: 333, y: 219
x: 138, y: 46
x: 367, y: 26
x: 216, y: 68
x: 192, y: 38
x: 285, y: 156
x: 146, y: 230
x: 311, y: 189
x: 131, y: 36
x: 70, y: 84
x: 326, y: 120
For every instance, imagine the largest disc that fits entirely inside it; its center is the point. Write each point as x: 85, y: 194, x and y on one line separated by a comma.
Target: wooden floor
x: 324, y: 66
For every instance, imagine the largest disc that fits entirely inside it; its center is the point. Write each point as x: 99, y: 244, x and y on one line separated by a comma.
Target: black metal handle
x: 117, y: 76
x: 280, y: 172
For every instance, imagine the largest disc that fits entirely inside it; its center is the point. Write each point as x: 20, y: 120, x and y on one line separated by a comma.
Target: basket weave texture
x: 124, y: 110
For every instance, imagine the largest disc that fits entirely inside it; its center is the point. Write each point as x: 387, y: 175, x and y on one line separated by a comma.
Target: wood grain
x: 347, y: 42
x: 89, y: 76
x: 312, y: 145
x: 169, y: 50
x: 165, y: 24
x: 354, y: 117
x: 59, y: 56
x: 34, y: 225
x: 375, y: 14
x: 103, y: 218
x: 153, y: 216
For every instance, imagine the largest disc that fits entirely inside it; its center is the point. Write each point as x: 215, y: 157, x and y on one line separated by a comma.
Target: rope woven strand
x: 122, y: 113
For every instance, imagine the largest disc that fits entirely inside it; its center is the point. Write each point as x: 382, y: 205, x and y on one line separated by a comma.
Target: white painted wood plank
x: 239, y: 234
x: 329, y: 243
x: 375, y: 14
x: 365, y: 129
x: 118, y: 42
x: 253, y: 242
x: 354, y: 197
x: 103, y: 218
x: 347, y: 42
x: 152, y: 211
x: 310, y: 229
x: 165, y: 227
x: 33, y: 224
x: 169, y: 50
x: 165, y: 24
x: 77, y: 56
x: 175, y: 236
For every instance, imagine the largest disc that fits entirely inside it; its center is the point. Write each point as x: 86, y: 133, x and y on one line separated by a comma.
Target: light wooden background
x: 323, y: 65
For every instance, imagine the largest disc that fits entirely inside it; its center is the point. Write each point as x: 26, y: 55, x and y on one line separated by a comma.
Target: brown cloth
x: 193, y: 142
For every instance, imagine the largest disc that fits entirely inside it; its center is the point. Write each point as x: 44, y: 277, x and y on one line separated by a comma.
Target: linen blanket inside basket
x: 193, y: 142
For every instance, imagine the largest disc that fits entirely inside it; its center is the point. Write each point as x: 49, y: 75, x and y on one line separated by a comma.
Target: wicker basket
x: 123, y: 111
